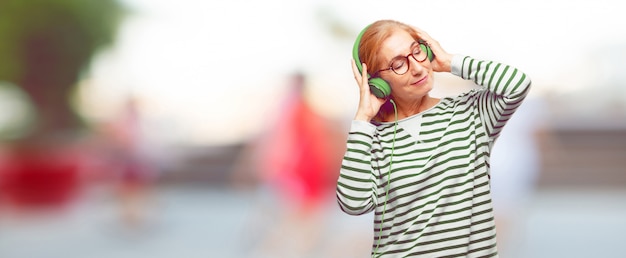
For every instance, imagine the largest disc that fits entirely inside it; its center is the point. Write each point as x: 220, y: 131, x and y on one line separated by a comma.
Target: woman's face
x: 418, y: 80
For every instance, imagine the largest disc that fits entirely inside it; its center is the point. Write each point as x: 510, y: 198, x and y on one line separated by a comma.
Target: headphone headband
x: 355, y: 50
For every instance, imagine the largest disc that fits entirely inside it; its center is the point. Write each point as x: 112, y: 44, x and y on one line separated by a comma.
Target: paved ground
x: 207, y: 222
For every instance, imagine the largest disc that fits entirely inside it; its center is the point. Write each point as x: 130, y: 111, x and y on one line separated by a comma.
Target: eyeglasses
x: 400, y: 64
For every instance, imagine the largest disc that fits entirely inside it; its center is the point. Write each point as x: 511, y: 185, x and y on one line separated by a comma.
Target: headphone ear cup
x: 429, y: 51
x: 379, y: 87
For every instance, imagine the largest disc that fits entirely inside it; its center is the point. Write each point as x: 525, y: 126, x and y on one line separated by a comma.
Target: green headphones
x: 379, y: 87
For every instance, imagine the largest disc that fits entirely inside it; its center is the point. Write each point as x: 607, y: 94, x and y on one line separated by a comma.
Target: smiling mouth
x: 420, y: 81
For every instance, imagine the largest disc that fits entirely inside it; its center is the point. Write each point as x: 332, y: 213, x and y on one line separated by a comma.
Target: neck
x: 407, y: 108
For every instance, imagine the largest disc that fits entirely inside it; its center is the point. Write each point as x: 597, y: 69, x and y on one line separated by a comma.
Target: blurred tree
x: 45, y: 46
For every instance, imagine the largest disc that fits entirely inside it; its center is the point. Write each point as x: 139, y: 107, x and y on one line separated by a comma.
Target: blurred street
x: 184, y: 222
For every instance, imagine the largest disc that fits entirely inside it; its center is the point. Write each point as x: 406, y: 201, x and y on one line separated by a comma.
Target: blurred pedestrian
x: 136, y: 172
x: 295, y: 161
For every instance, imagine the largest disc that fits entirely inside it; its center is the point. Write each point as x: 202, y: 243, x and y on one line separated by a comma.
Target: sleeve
x: 505, y: 89
x: 356, y: 185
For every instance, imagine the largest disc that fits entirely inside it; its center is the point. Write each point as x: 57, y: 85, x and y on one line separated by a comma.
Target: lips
x: 420, y: 81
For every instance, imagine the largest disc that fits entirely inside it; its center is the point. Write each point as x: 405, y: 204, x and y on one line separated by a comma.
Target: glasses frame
x: 419, y: 46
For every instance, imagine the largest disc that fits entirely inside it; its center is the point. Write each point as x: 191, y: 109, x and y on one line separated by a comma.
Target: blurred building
x: 587, y: 143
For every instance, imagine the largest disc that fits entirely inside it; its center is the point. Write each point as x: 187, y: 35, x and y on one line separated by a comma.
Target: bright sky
x: 213, y: 72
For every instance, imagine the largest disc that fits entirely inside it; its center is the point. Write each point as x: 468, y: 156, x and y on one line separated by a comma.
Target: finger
x: 365, y: 88
x: 419, y: 31
x: 424, y: 35
x: 364, y: 73
x: 355, y: 72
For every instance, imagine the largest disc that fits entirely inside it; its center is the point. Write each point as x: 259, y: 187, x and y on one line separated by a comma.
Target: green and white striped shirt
x: 438, y: 201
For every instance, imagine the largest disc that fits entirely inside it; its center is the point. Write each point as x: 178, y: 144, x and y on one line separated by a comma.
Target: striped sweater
x: 433, y: 198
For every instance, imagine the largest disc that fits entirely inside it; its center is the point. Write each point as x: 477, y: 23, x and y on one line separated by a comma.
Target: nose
x: 415, y: 67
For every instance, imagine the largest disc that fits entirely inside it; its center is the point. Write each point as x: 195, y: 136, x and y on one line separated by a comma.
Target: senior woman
x: 421, y: 163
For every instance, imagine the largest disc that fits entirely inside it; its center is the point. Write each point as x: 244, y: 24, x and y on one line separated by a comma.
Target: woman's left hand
x: 442, y: 60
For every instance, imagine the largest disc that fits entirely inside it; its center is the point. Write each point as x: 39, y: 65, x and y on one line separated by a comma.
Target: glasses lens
x: 399, y: 66
x: 418, y: 54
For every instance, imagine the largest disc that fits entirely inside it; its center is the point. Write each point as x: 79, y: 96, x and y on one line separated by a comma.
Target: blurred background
x: 151, y: 128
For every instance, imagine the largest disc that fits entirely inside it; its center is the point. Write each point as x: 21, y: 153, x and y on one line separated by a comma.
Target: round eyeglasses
x: 400, y: 64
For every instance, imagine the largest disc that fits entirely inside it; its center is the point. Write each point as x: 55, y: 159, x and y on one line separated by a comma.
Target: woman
x: 422, y: 163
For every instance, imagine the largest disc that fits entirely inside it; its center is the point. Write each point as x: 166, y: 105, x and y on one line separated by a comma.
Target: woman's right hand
x: 369, y: 104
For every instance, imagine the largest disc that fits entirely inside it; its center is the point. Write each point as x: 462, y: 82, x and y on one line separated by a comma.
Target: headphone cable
x: 393, y: 144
